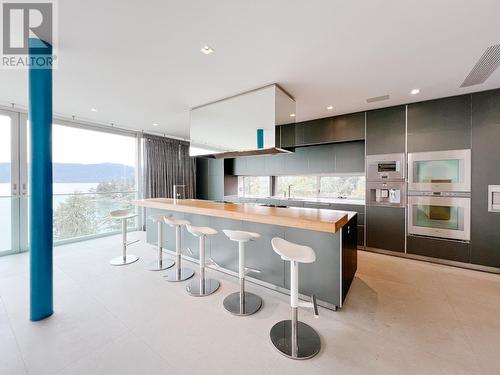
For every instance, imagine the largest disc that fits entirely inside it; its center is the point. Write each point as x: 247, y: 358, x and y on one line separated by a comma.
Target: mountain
x: 69, y: 172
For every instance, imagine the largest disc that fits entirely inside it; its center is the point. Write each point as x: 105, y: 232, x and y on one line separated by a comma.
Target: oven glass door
x: 440, y: 171
x: 444, y: 217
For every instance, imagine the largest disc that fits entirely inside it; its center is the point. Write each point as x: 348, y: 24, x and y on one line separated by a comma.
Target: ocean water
x: 7, y: 203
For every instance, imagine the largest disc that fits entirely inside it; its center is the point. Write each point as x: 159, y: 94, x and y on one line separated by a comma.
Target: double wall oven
x: 439, y: 194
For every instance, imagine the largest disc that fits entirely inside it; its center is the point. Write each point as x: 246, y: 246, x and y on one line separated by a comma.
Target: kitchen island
x: 332, y: 235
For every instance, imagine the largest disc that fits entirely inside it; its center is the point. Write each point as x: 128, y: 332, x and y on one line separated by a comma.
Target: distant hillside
x: 66, y: 172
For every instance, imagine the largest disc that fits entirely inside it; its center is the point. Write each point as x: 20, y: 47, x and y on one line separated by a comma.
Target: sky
x: 73, y: 145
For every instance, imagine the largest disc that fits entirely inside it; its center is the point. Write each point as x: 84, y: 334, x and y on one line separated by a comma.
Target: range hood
x: 242, y: 125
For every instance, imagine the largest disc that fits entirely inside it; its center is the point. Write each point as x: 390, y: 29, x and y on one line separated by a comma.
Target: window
x: 6, y: 201
x: 94, y: 173
x: 254, y: 186
x: 300, y: 186
x: 342, y: 186
x: 321, y: 186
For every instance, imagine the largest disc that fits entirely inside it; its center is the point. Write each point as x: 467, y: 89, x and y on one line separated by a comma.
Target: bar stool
x: 242, y: 303
x: 292, y: 338
x: 160, y: 264
x: 203, y: 286
x: 177, y: 273
x: 124, y: 216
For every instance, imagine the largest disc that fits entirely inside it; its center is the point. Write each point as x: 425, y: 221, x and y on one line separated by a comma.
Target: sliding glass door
x: 9, y: 182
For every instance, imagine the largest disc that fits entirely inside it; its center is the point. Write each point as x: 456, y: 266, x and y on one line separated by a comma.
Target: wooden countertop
x: 322, y: 220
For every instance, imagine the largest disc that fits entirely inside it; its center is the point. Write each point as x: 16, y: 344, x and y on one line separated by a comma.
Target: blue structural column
x: 40, y: 117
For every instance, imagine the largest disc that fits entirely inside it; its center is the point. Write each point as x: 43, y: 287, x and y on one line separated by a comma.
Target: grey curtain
x: 167, y: 163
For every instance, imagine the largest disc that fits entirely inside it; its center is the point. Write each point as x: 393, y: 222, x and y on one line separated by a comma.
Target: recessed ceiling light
x: 155, y: 124
x: 292, y: 114
x: 207, y: 50
x: 329, y: 107
x: 93, y: 109
x: 415, y: 91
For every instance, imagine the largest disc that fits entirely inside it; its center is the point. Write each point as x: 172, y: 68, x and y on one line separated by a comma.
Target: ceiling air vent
x: 377, y: 98
x: 484, y: 67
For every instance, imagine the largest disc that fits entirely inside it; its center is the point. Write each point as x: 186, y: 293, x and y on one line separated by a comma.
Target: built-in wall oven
x: 386, y: 184
x: 439, y: 171
x: 439, y: 194
x: 439, y: 216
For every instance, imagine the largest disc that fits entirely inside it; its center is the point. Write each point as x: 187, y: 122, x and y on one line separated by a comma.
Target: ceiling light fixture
x: 330, y: 107
x: 415, y: 91
x: 155, y: 124
x: 292, y: 114
x: 207, y: 50
x: 93, y: 109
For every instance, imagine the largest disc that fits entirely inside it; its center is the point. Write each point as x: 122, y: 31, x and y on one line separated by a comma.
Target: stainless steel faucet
x: 176, y: 194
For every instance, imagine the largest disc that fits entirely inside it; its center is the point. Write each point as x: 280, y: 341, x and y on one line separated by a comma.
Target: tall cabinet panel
x: 385, y: 130
x: 442, y: 124
x: 385, y: 134
x: 485, y: 231
x: 439, y: 125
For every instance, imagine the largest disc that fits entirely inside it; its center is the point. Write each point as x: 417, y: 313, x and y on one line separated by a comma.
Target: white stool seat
x: 292, y: 252
x: 122, y: 214
x: 202, y: 286
x: 178, y: 273
x: 295, y: 339
x: 156, y: 218
x: 201, y: 231
x: 239, y: 235
x: 172, y: 221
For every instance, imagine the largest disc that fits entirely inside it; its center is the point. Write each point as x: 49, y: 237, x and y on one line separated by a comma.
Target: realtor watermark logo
x: 29, y: 34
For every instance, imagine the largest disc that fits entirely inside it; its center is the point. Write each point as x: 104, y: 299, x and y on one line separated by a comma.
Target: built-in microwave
x: 389, y: 194
x: 439, y: 216
x: 385, y: 167
x: 439, y: 171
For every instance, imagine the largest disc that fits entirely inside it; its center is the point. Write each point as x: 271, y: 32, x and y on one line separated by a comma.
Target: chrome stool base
x: 120, y: 261
x: 202, y: 287
x: 157, y: 266
x: 250, y: 305
x: 308, y: 341
x: 175, y: 275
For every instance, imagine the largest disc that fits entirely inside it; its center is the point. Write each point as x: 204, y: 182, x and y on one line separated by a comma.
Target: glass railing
x: 79, y: 216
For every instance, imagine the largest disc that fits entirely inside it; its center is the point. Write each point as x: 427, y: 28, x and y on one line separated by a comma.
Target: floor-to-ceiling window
x: 94, y: 173
x: 8, y: 185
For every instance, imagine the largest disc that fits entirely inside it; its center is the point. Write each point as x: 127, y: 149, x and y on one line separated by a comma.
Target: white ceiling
x: 139, y: 62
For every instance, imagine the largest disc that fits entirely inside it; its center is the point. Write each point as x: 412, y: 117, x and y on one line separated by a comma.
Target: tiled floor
x: 400, y: 317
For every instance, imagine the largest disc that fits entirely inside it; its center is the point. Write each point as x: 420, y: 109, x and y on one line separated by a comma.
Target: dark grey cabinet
x: 485, y: 230
x: 438, y: 248
x: 385, y: 130
x: 344, y: 128
x: 443, y: 124
x: 209, y: 178
x: 350, y: 157
x: 385, y: 228
x: 345, y: 157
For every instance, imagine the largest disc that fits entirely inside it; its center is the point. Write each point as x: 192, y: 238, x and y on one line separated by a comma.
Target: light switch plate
x: 494, y: 198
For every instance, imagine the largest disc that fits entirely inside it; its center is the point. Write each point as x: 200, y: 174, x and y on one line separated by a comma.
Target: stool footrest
x: 250, y: 269
x: 131, y: 242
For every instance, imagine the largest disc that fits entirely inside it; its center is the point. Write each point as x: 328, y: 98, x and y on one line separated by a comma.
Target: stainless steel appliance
x: 446, y: 216
x: 390, y: 193
x: 385, y: 167
x: 439, y: 194
x: 439, y: 171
